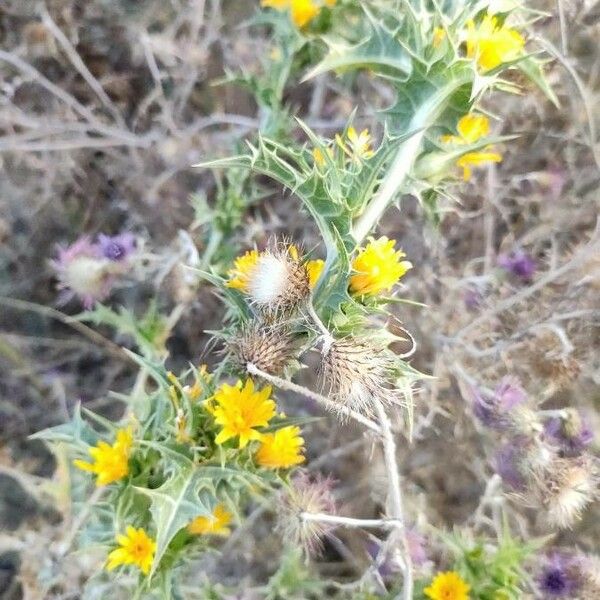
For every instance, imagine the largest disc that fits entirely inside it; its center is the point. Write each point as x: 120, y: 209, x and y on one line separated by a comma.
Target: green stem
x: 405, y: 159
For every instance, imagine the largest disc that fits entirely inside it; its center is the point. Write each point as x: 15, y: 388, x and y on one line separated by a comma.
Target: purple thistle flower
x: 519, y: 263
x: 494, y: 410
x: 508, y: 463
x: 89, y: 270
x: 473, y: 298
x: 571, y: 434
x: 560, y: 576
x: 117, y: 247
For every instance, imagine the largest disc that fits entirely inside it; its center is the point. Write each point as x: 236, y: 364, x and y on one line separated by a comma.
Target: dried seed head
x: 354, y: 373
x: 278, y: 281
x: 306, y: 494
x: 271, y: 349
x: 565, y: 488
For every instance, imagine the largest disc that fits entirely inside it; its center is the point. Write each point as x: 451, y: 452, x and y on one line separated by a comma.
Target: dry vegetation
x: 105, y: 104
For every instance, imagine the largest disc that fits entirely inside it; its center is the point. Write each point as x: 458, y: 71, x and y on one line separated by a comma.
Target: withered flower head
x: 565, y: 488
x: 269, y: 348
x: 306, y: 494
x: 279, y: 280
x: 354, y: 373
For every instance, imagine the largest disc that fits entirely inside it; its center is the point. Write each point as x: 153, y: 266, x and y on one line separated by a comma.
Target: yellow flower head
x: 378, y: 267
x: 110, y: 462
x: 357, y: 146
x: 204, y: 377
x: 136, y: 548
x: 314, y: 269
x: 471, y: 128
x: 240, y: 409
x: 439, y: 35
x: 492, y: 44
x: 217, y: 524
x: 319, y: 156
x: 474, y: 159
x: 243, y: 268
x: 448, y: 586
x: 281, y: 449
x: 301, y: 11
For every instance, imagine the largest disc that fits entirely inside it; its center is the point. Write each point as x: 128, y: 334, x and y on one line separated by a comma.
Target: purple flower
x: 89, y: 269
x: 473, y: 298
x: 571, y: 434
x: 494, y: 410
x: 518, y: 263
x: 117, y: 247
x: 508, y: 463
x: 560, y: 575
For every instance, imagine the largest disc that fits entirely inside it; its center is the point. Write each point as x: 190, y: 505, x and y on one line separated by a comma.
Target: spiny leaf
x: 380, y: 50
x: 76, y: 432
x: 191, y: 492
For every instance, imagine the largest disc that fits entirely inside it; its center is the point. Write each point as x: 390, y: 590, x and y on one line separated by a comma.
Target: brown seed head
x: 271, y: 349
x: 354, y: 373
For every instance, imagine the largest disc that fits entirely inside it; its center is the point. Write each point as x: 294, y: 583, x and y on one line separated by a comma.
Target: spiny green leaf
x: 190, y: 492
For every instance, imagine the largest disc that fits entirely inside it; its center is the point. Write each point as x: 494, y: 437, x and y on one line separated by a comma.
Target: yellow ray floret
x: 281, y: 449
x: 243, y: 267
x: 448, y: 586
x: 217, y: 524
x: 136, y: 547
x: 378, y: 267
x: 240, y: 409
x: 314, y: 269
x: 491, y: 44
x: 471, y: 128
x: 301, y: 11
x: 110, y: 462
x: 357, y: 145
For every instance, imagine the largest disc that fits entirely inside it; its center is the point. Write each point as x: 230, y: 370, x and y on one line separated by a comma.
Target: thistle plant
x: 196, y: 449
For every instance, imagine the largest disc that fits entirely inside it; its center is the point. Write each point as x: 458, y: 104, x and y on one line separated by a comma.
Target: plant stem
x: 284, y: 384
x: 325, y: 335
x: 405, y: 158
x: 395, y: 494
x: 349, y: 521
x: 394, y: 180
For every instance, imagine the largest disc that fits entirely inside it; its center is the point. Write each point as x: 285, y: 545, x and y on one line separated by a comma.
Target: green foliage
x: 149, y: 332
x: 495, y: 570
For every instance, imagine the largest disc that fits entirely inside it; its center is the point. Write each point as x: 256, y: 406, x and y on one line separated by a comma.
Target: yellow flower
x: 242, y: 270
x: 136, y: 548
x: 314, y: 269
x: 281, y: 449
x: 110, y: 463
x: 471, y: 128
x: 439, y: 34
x: 359, y: 144
x: 474, y: 159
x: 301, y: 11
x: 204, y: 378
x: 448, y: 586
x: 240, y: 409
x: 378, y: 267
x: 319, y: 156
x: 492, y: 44
x: 217, y: 524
